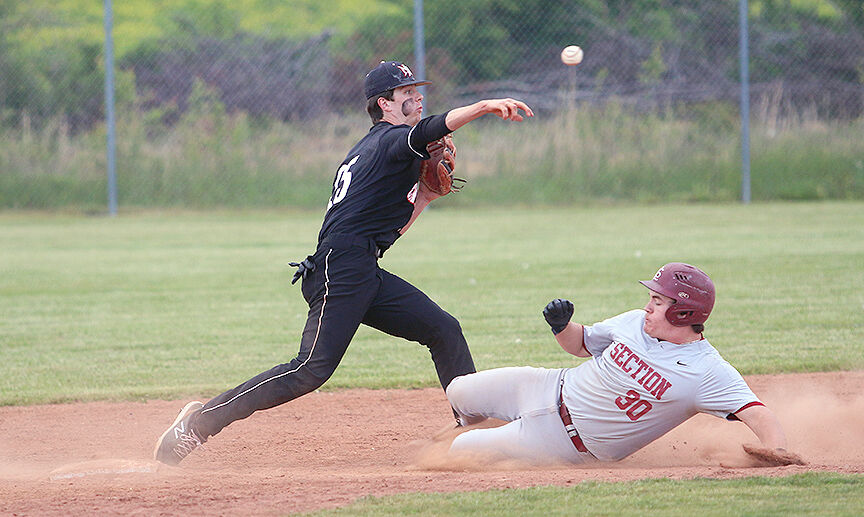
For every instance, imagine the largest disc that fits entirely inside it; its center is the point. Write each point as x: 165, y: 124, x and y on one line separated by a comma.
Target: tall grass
x: 611, y: 154
x: 211, y: 158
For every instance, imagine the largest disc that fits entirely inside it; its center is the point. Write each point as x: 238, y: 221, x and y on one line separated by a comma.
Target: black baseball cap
x: 387, y: 76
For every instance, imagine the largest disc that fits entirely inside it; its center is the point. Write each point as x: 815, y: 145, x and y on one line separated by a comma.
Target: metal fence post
x: 744, y: 57
x: 109, y: 110
x: 419, y: 45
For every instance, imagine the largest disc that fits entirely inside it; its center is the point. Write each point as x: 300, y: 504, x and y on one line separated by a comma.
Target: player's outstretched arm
x: 764, y: 425
x: 767, y: 428
x: 507, y: 109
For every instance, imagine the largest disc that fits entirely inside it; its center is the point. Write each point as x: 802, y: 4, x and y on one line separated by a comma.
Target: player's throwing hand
x: 508, y: 109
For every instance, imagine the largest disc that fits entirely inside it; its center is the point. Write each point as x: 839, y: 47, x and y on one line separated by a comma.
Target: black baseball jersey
x: 372, y: 198
x: 374, y: 189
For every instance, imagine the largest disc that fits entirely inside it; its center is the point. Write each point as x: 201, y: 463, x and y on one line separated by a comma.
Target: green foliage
x: 854, y: 9
x: 204, y: 18
x: 48, y: 22
x: 380, y: 37
x: 653, y: 68
x: 64, y: 81
x: 466, y: 41
x: 830, y: 10
x: 51, y: 53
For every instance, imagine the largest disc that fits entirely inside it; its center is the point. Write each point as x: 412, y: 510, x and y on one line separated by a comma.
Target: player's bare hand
x: 766, y: 457
x: 508, y: 109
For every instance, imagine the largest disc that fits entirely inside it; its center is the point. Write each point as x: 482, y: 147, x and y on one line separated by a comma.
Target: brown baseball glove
x: 436, y: 173
x: 766, y: 457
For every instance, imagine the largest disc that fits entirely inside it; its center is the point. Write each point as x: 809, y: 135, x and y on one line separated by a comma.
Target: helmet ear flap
x: 680, y: 316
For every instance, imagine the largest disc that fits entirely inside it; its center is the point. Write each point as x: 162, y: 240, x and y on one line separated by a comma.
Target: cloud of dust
x: 13, y: 472
x: 823, y: 426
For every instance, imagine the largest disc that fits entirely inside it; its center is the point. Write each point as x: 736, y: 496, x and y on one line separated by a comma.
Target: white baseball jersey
x: 637, y: 388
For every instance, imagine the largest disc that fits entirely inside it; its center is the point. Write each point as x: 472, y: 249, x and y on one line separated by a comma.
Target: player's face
x: 656, y: 324
x: 409, y: 104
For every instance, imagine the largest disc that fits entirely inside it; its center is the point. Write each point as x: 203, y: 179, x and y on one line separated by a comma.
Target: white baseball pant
x: 525, y: 397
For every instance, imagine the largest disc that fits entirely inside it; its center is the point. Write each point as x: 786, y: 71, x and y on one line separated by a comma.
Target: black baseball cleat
x: 179, y: 440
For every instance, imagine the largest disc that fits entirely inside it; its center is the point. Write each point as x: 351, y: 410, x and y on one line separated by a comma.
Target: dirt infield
x: 328, y: 449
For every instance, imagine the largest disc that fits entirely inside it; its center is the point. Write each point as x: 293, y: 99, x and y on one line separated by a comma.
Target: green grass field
x: 803, y: 494
x: 167, y: 305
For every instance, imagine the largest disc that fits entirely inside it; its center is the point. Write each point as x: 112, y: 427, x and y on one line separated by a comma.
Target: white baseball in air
x: 572, y: 55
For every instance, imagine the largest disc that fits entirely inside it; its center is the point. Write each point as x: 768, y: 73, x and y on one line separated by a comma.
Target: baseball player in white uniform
x: 651, y: 370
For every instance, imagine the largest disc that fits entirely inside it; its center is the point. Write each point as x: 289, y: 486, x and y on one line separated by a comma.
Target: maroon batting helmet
x: 691, y: 289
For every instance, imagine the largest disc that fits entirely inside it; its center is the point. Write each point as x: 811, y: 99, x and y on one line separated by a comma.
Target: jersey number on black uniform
x: 343, y: 180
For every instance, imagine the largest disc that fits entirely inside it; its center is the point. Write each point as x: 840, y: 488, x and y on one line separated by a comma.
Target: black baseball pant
x: 346, y: 288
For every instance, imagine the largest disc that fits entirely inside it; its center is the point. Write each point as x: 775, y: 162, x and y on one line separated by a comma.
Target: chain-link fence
x: 255, y: 103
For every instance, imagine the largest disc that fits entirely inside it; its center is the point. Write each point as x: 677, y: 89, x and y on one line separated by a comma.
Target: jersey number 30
x: 343, y: 180
x: 634, y: 405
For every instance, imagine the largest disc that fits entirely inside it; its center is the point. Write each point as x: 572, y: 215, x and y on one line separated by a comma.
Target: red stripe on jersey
x: 732, y: 416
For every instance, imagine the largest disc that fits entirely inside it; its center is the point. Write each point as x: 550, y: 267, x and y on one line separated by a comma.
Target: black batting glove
x: 303, y: 269
x: 558, y: 313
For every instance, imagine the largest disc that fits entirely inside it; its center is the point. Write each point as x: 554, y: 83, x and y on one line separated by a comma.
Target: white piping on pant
x: 314, y: 342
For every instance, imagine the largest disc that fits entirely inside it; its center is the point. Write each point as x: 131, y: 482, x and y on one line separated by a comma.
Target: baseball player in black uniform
x: 376, y: 197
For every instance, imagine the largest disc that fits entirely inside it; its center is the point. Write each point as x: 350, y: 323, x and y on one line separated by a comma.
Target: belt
x: 568, y: 424
x: 346, y: 240
x: 377, y: 245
